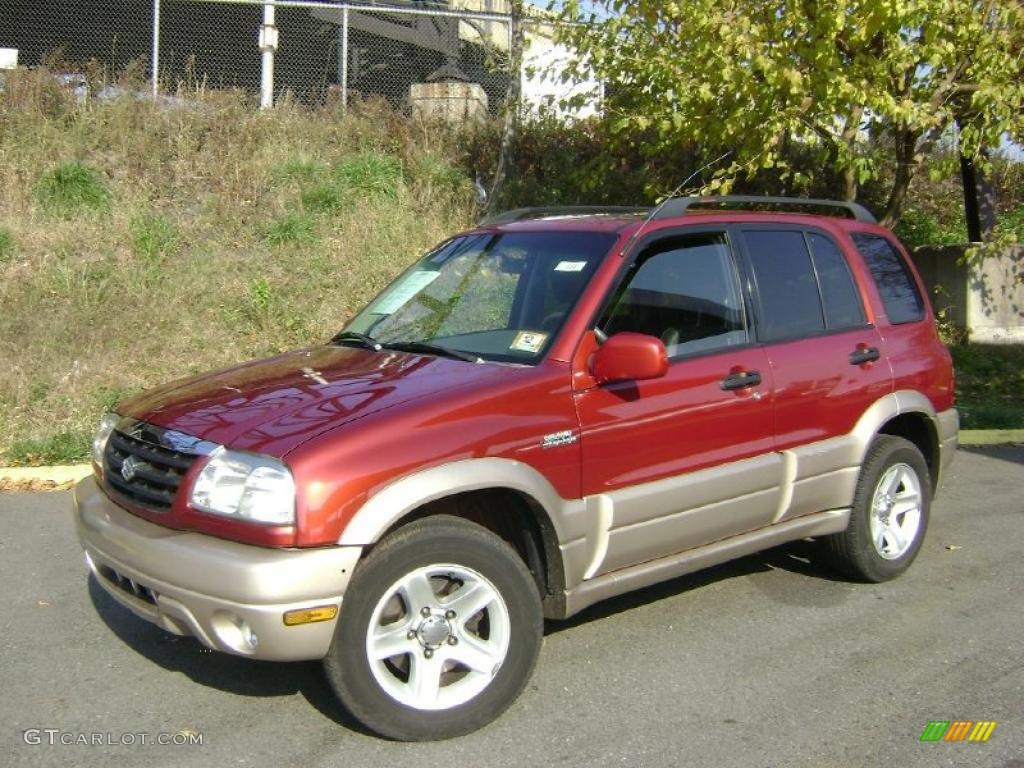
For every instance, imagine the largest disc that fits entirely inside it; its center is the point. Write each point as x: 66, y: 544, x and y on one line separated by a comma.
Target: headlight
x: 247, y: 487
x: 101, y: 435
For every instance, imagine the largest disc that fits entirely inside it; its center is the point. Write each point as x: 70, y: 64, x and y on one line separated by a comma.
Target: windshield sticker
x: 528, y: 341
x: 570, y: 266
x: 401, y: 292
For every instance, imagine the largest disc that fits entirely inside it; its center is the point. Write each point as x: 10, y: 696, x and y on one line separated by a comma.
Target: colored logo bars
x: 958, y: 730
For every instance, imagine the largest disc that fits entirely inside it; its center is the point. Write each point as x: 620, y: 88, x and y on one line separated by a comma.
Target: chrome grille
x: 146, y: 464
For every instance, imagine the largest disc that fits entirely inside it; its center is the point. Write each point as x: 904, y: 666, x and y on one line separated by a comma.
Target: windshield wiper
x: 361, y: 338
x: 432, y: 349
x: 369, y: 342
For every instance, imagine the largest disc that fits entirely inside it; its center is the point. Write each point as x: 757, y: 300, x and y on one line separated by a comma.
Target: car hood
x: 272, y: 406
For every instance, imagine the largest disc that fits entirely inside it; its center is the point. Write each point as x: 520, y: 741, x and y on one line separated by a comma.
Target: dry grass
x: 221, y: 234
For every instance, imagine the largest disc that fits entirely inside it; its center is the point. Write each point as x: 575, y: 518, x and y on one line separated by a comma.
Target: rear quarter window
x: 838, y: 291
x: 902, y: 300
x: 789, y: 303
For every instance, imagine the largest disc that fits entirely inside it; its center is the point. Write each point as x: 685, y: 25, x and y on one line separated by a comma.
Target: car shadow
x: 1013, y: 453
x: 222, y: 671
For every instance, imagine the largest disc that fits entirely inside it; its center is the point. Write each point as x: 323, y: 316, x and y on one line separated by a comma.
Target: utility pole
x: 156, y: 48
x: 268, y: 45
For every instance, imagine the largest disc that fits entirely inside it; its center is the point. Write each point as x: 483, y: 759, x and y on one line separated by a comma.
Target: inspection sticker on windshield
x: 570, y: 266
x: 528, y: 341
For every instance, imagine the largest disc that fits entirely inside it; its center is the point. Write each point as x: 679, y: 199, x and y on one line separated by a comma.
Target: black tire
x: 854, y: 551
x: 423, y: 544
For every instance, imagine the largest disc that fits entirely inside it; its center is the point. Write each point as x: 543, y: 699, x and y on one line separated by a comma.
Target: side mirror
x: 629, y: 356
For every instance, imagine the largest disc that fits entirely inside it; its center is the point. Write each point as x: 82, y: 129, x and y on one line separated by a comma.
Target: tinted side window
x: 839, y: 294
x: 685, y: 292
x: 903, y: 303
x: 787, y: 291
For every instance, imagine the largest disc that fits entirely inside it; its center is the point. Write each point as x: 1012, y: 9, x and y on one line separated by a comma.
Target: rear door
x: 685, y: 459
x: 827, y: 361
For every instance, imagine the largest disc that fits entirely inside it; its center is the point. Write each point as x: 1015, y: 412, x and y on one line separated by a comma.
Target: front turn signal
x: 310, y: 615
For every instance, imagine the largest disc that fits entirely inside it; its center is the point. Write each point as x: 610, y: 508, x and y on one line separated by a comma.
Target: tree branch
x: 513, y: 97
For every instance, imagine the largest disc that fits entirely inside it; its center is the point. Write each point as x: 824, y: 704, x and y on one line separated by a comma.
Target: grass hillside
x: 140, y: 242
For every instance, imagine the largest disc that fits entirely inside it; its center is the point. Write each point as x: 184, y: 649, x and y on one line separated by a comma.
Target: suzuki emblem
x: 129, y: 467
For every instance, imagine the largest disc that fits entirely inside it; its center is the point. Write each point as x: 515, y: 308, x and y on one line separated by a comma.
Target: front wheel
x: 890, y: 513
x: 439, y: 631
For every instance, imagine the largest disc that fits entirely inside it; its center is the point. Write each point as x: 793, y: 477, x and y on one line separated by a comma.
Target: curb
x: 69, y: 473
x: 991, y: 436
x: 42, y: 478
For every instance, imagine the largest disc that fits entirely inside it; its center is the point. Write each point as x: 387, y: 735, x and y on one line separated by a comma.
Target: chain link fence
x: 413, y: 54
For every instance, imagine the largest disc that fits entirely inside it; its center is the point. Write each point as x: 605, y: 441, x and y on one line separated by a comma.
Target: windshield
x: 499, y: 297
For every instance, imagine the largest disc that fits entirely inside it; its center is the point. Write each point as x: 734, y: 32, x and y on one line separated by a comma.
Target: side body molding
x: 815, y: 490
x: 405, y: 494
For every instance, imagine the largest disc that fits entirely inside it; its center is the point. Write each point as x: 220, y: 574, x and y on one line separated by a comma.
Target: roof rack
x: 524, y: 214
x: 677, y: 206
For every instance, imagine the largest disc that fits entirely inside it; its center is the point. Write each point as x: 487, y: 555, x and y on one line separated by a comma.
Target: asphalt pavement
x: 772, y: 660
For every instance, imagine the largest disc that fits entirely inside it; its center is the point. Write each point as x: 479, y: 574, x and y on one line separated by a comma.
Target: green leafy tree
x: 877, y: 83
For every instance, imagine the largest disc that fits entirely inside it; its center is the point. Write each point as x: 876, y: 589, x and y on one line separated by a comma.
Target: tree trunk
x: 849, y: 140
x: 513, y: 96
x: 849, y: 184
x: 969, y: 178
x: 986, y: 203
x: 906, y: 158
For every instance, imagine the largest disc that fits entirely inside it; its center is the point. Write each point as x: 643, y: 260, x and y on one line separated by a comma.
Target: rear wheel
x: 438, y: 634
x: 890, y: 513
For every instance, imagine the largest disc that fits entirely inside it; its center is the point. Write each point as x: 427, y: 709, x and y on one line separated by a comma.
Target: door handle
x: 863, y: 355
x: 741, y: 380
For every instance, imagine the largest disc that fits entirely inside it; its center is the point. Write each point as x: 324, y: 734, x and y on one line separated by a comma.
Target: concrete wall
x: 452, y: 102
x: 985, y: 299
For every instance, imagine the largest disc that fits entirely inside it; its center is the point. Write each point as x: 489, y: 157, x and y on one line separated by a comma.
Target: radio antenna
x: 657, y: 209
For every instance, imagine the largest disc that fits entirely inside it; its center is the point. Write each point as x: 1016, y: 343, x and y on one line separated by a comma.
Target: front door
x: 685, y: 459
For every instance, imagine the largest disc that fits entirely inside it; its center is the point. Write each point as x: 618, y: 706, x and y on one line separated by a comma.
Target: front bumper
x: 222, y: 592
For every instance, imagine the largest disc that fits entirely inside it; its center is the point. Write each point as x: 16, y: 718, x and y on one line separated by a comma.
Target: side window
x: 843, y: 308
x: 787, y: 291
x: 685, y: 292
x: 903, y: 303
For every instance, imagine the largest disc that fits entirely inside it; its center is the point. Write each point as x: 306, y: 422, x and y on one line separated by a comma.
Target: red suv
x: 551, y: 409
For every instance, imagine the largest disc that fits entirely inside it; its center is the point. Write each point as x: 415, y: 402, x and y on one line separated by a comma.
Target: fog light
x: 234, y: 632
x: 310, y: 615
